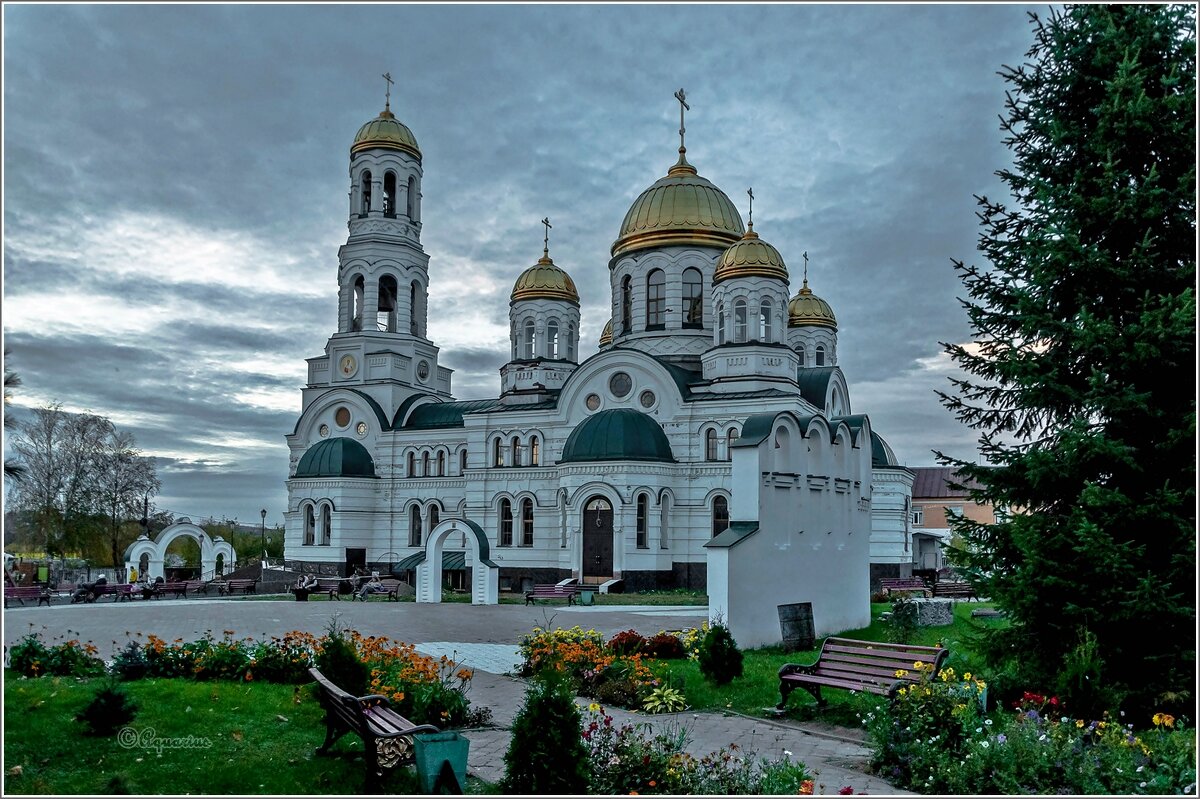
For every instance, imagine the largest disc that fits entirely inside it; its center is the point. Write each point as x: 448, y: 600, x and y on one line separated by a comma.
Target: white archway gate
x: 155, y: 551
x: 485, y: 575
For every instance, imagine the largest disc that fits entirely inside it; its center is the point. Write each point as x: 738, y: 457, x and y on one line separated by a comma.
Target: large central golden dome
x: 682, y: 208
x: 387, y: 132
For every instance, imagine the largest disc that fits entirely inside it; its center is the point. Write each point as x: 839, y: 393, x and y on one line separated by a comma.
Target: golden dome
x: 387, y: 132
x: 750, y: 257
x: 682, y: 208
x: 545, y: 281
x: 606, y: 334
x: 807, y: 308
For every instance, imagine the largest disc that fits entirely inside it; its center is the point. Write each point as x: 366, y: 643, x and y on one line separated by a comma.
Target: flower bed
x: 423, y: 689
x: 935, y: 739
x: 626, y: 671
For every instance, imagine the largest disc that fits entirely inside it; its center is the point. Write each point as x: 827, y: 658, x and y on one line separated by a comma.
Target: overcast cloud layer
x: 176, y: 181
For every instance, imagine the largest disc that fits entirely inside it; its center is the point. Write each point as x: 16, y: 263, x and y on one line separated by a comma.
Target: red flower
x: 846, y: 790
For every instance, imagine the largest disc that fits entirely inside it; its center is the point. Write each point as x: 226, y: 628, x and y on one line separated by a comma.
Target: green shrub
x: 546, y: 754
x: 31, y: 657
x: 1080, y: 683
x: 109, y: 710
x: 130, y: 663
x: 720, y: 659
x: 339, y: 662
x: 902, y: 624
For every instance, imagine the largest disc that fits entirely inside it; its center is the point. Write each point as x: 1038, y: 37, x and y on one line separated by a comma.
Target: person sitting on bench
x: 87, y: 591
x: 370, y: 587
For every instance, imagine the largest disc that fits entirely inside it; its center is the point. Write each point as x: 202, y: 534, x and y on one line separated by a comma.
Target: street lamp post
x: 262, y: 536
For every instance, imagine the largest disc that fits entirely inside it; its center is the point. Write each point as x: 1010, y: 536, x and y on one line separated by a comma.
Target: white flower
x: 979, y: 729
x: 988, y: 722
x: 1141, y: 784
x: 1140, y: 769
x: 786, y: 752
x: 984, y: 744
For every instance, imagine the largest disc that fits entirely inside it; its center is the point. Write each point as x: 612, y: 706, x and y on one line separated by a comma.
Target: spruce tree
x: 1081, y: 371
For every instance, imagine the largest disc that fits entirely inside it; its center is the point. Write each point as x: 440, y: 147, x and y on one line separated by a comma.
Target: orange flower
x: 806, y: 787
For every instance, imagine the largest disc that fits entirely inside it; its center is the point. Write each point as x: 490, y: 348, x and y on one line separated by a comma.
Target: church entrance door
x: 597, y: 540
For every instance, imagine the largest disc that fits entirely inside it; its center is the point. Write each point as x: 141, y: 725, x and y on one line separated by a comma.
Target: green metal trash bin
x: 586, y: 596
x: 434, y: 750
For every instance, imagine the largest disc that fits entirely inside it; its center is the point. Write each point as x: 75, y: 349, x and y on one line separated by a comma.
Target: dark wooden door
x: 355, y: 559
x: 597, y: 541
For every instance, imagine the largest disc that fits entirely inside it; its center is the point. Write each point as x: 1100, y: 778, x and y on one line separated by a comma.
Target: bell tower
x: 381, y: 346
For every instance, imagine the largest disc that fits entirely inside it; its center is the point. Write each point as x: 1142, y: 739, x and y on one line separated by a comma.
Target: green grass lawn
x: 690, y: 598
x: 261, y: 740
x: 758, y: 687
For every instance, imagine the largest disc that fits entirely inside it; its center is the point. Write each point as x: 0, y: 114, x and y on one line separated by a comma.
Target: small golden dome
x: 750, y: 257
x: 606, y: 334
x: 545, y: 281
x: 807, y: 308
x: 682, y: 208
x: 387, y: 132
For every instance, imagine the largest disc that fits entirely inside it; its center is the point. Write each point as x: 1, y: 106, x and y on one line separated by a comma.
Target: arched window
x: 441, y: 463
x: 730, y: 438
x: 626, y: 304
x: 516, y: 452
x: 412, y: 198
x: 800, y: 354
x: 359, y: 293
x: 720, y: 324
x: 643, y: 521
x: 326, y: 525
x: 720, y: 515
x: 527, y: 340
x: 462, y: 461
x: 414, y: 526
x: 710, y: 445
x: 497, y: 453
x: 414, y: 313
x: 365, y: 192
x: 527, y: 522
x: 435, y: 516
x: 552, y: 339
x: 656, y: 300
x: 820, y: 355
x: 765, y: 328
x: 389, y: 193
x: 425, y: 465
x: 506, y: 523
x: 739, y: 321
x: 534, y: 451
x: 693, y: 299
x: 310, y: 526
x: 570, y: 342
x: 412, y: 464
x: 664, y: 516
x: 386, y: 314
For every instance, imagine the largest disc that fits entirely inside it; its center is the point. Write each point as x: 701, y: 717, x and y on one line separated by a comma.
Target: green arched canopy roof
x: 336, y: 457
x: 619, y: 434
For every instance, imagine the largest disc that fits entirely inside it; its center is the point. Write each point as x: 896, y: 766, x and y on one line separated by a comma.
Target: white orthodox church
x: 597, y: 460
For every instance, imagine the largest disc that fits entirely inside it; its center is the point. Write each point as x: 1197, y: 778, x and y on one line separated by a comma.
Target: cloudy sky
x: 175, y: 191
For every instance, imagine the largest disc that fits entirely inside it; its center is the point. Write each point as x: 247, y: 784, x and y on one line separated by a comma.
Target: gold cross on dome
x: 546, y: 238
x: 750, y: 191
x: 387, y: 103
x: 681, y: 96
x: 806, y: 268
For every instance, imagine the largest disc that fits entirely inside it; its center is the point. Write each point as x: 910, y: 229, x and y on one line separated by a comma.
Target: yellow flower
x: 918, y: 665
x: 901, y: 673
x: 967, y: 676
x: 1079, y: 723
x: 594, y: 707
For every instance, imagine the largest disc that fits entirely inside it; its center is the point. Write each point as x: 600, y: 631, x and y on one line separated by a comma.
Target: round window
x: 647, y: 399
x: 342, y: 416
x: 620, y: 385
x: 423, y: 371
x: 324, y: 430
x: 361, y: 428
x: 592, y: 402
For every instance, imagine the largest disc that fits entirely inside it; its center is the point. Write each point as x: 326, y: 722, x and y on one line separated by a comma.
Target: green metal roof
x: 619, y: 434
x: 451, y: 561
x: 398, y: 419
x: 756, y: 428
x: 445, y: 414
x: 736, y: 533
x: 336, y: 457
x: 371, y: 403
x: 882, y: 455
x: 762, y: 393
x: 814, y: 383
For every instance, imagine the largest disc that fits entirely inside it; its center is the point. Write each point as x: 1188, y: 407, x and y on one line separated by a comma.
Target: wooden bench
x: 902, y: 585
x: 195, y: 587
x: 331, y: 586
x: 957, y: 590
x: 23, y: 592
x: 391, y: 589
x: 868, y: 666
x: 386, y: 735
x: 120, y: 592
x: 177, y: 589
x: 552, y: 591
x: 246, y: 586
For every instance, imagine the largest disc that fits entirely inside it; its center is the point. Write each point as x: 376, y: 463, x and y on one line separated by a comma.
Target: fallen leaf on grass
x: 281, y: 717
x: 15, y: 771
x: 237, y: 735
